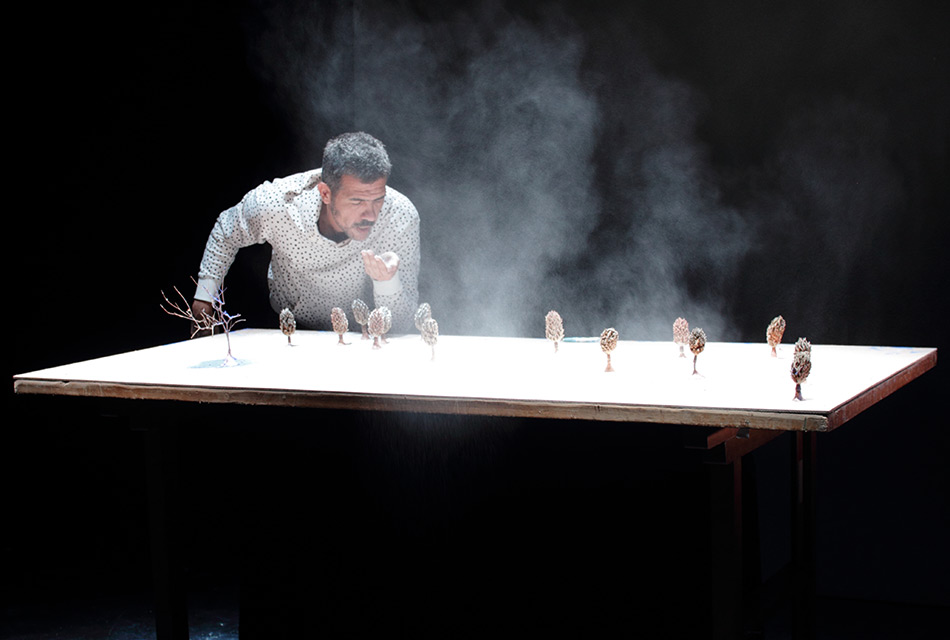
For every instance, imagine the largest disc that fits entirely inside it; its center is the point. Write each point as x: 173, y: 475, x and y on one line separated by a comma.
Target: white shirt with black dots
x: 309, y: 273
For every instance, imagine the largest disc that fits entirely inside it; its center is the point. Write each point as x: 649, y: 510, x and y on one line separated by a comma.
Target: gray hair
x: 355, y: 154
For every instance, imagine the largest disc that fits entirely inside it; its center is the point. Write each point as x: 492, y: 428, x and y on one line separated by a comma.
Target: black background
x: 136, y: 124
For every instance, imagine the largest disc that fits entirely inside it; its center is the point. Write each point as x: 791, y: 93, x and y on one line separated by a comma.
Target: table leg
x: 803, y: 535
x: 725, y: 500
x: 171, y: 613
x: 734, y: 532
x: 751, y: 552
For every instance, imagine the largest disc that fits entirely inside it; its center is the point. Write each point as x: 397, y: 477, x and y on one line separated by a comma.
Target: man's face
x: 353, y: 208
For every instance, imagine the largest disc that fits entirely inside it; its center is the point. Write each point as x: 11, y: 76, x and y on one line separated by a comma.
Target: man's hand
x: 200, y: 309
x: 382, y: 266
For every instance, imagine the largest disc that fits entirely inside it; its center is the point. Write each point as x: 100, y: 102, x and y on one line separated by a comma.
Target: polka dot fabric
x: 309, y: 273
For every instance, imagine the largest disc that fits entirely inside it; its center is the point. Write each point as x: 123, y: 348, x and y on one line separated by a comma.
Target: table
x: 739, y: 385
x: 741, y: 393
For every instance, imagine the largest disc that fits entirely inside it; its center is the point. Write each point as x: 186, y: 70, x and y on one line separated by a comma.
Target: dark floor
x: 840, y: 619
x: 214, y: 616
x: 479, y: 501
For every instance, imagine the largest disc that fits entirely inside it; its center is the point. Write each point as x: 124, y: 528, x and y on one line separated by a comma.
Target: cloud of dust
x: 543, y: 186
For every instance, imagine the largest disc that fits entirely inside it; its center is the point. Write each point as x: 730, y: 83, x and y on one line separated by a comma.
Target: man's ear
x: 324, y: 192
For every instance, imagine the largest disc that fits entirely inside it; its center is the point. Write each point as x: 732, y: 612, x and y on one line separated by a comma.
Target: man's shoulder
x: 294, y: 184
x: 400, y: 206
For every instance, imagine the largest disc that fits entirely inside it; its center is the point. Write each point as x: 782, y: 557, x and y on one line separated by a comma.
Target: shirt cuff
x: 387, y: 287
x: 206, y: 289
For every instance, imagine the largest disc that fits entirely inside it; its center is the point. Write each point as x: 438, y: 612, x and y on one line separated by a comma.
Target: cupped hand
x: 382, y: 266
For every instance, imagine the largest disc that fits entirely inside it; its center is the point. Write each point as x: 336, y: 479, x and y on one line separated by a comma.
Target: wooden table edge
x: 871, y: 396
x: 692, y: 416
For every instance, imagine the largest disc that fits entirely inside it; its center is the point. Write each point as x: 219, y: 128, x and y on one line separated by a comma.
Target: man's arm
x: 395, y: 271
x: 240, y: 226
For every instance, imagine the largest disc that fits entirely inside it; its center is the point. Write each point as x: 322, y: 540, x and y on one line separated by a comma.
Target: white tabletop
x: 739, y: 384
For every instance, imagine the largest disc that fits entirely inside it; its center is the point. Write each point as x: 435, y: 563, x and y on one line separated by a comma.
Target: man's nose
x: 370, y: 211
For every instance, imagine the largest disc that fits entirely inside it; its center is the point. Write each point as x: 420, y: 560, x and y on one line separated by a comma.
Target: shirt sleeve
x: 240, y: 226
x: 401, y: 294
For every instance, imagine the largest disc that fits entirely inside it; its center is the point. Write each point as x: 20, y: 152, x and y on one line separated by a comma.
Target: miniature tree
x: 287, y: 323
x: 387, y: 323
x: 608, y: 342
x: 361, y: 315
x: 430, y: 333
x: 774, y: 333
x: 681, y: 334
x: 376, y: 325
x: 801, y: 365
x: 218, y: 317
x: 802, y: 344
x: 339, y: 322
x: 554, y: 328
x: 697, y: 342
x: 423, y: 313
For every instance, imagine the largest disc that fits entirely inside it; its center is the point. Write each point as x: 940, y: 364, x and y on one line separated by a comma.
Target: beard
x: 358, y: 231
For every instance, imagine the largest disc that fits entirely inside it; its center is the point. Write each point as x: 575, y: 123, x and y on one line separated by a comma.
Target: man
x: 332, y: 231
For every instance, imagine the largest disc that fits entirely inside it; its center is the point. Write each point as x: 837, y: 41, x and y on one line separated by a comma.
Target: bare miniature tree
x: 681, y: 334
x: 554, y: 328
x: 287, y: 323
x: 218, y: 317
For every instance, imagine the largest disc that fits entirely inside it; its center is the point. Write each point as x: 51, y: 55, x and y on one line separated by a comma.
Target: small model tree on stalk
x: 774, y: 333
x: 387, y: 323
x: 361, y: 315
x: 339, y: 322
x: 430, y: 333
x: 697, y: 342
x: 554, y: 328
x: 423, y: 313
x: 287, y: 323
x: 801, y: 365
x: 608, y: 342
x: 681, y: 334
x: 377, y: 325
x: 218, y: 317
